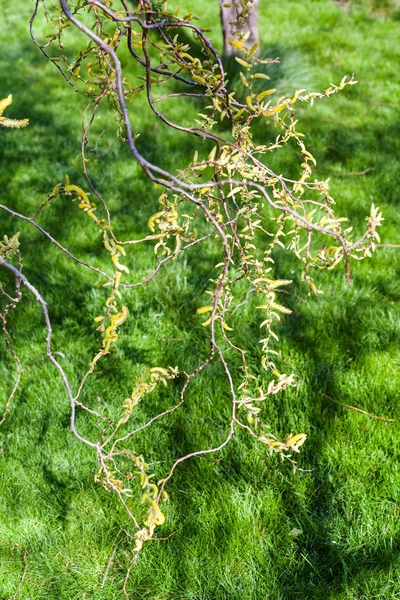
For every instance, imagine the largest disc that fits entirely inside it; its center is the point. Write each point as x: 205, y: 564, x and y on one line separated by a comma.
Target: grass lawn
x: 240, y: 525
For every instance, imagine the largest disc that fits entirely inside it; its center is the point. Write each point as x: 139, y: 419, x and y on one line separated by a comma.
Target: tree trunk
x: 235, y: 19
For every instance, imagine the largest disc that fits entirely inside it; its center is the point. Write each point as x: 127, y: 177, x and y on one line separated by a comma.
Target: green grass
x: 244, y: 526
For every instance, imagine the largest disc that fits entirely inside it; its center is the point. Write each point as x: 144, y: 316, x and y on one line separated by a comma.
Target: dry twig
x: 364, y: 412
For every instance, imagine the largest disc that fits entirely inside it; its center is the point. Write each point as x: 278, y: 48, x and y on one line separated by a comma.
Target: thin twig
x: 109, y: 565
x: 23, y: 576
x: 164, y: 539
x: 350, y: 174
x: 364, y: 412
x: 128, y: 572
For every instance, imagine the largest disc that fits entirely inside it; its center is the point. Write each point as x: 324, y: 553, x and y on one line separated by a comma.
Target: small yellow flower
x: 10, y: 122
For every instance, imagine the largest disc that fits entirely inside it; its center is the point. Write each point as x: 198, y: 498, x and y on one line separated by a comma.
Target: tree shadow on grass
x: 332, y: 342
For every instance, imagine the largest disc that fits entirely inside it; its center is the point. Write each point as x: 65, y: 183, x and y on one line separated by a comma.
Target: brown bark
x: 235, y: 18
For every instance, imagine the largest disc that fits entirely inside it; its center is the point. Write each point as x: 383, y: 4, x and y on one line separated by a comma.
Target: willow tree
x: 228, y: 196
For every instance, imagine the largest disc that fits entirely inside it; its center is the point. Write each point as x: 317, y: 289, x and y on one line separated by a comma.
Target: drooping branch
x: 228, y: 196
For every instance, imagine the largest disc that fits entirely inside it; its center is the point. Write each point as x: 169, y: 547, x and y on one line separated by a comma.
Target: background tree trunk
x: 232, y: 23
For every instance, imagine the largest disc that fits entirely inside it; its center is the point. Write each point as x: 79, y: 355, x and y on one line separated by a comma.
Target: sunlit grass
x: 242, y: 525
